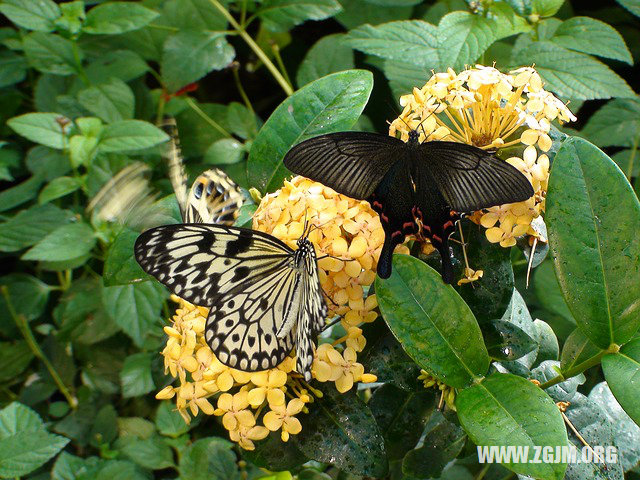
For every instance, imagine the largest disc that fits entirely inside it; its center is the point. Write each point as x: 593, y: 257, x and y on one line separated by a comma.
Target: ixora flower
x: 491, y: 110
x: 251, y: 404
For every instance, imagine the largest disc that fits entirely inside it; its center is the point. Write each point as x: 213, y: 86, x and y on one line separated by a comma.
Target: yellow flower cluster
x: 447, y: 395
x: 484, y: 107
x: 350, y: 232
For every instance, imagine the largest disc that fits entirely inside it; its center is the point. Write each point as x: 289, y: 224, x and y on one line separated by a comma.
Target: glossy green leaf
x: 32, y: 15
x: 629, y: 162
x: 546, y: 8
x: 330, y: 104
x: 189, y: 55
x: 30, y: 226
x: 24, y: 443
x: 508, y: 410
x: 341, y: 430
x: 120, y: 266
x: 152, y: 453
x: 462, y: 38
x: 617, y: 123
x: 588, y: 35
x: 242, y: 122
x: 13, y: 68
x: 437, y: 330
x: 632, y: 5
x: 282, y: 15
x: 117, y: 17
x: 442, y: 444
x: 15, y: 357
x: 572, y: 74
x: 135, y: 376
x: 42, y: 128
x: 505, y: 21
x: 328, y: 55
x: 70, y: 467
x: 58, y: 187
x: 128, y: 135
x: 65, y: 243
x: 51, y: 53
x: 622, y: 371
x: 124, y: 65
x: 209, y: 458
x: 359, y: 12
x: 548, y: 291
x: 401, y: 416
x: 275, y: 455
x: 21, y: 193
x: 111, y: 101
x: 136, y: 308
x: 224, y: 151
x: 576, y: 350
x: 169, y: 422
x: 560, y: 392
x: 409, y: 41
x: 548, y: 347
x: 593, y: 215
x: 506, y: 341
x: 403, y: 77
x: 28, y: 295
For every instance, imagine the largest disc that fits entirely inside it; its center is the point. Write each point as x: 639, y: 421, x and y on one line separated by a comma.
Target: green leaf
x: 462, y: 38
x: 51, y: 53
x: 409, y: 41
x: 58, y: 187
x: 546, y: 8
x: 548, y: 291
x: 47, y: 162
x: 32, y: 15
x: 629, y: 162
x: 189, y: 55
x: 30, y: 226
x: 117, y: 17
x: 24, y: 443
x: 122, y: 64
x: 403, y: 77
x: 622, y: 371
x: 111, y: 101
x: 275, y: 455
x: 136, y: 308
x: 242, y: 121
x: 28, y: 295
x: 282, y: 15
x: 442, y: 444
x: 627, y: 432
x: 548, y: 348
x: 21, y: 193
x: 43, y: 128
x: 489, y: 297
x: 15, y: 357
x: 70, y: 467
x: 508, y: 410
x: 120, y: 469
x: 594, y: 215
x: 632, y: 5
x: 506, y: 21
x: 401, y: 416
x: 209, y: 458
x: 223, y: 152
x: 120, y: 266
x: 104, y: 428
x: 359, y: 12
x: 72, y: 17
x: 617, y: 123
x: 135, y: 375
x: 576, y: 350
x: 130, y: 135
x: 560, y: 392
x: 506, y: 342
x: 169, y: 422
x: 13, y: 68
x: 588, y: 35
x: 152, y: 453
x: 572, y: 74
x: 64, y: 243
x: 437, y: 330
x: 328, y: 55
x: 341, y: 430
x: 330, y: 104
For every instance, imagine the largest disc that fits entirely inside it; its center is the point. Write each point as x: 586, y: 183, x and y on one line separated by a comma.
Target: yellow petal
x: 275, y: 397
x: 344, y: 383
x: 225, y: 401
x: 358, y: 247
x: 245, y: 418
x: 256, y: 396
x: 272, y: 421
x: 292, y: 425
x: 494, y: 235
x: 277, y: 378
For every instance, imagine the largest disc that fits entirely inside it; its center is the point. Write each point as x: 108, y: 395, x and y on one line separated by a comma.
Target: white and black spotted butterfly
x: 213, y: 197
x: 263, y: 296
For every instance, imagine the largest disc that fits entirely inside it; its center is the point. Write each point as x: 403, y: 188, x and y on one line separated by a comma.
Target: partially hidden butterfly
x: 213, y: 197
x: 417, y: 188
x: 264, y: 297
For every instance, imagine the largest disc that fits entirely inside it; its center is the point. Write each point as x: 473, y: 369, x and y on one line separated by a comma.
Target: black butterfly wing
x: 470, y: 178
x: 352, y: 163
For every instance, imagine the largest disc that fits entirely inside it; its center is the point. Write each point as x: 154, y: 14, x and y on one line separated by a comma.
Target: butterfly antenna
x: 421, y: 125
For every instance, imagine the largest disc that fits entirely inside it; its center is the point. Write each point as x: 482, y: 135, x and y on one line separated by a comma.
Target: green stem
x: 76, y: 57
x: 578, y: 369
x: 255, y: 47
x: 206, y: 117
x: 243, y: 94
x: 23, y: 326
x: 276, y: 53
x: 483, y: 472
x: 632, y: 157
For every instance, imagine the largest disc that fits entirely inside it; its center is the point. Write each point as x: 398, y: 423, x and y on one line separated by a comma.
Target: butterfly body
x: 417, y: 188
x: 263, y: 296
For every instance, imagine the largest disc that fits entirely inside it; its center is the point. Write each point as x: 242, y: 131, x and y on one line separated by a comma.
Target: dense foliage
x: 82, y: 86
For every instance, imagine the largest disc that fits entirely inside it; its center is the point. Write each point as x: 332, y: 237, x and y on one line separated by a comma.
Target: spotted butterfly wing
x: 264, y: 297
x: 417, y: 188
x: 213, y: 197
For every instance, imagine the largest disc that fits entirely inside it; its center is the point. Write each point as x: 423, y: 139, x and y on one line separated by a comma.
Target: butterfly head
x: 414, y: 137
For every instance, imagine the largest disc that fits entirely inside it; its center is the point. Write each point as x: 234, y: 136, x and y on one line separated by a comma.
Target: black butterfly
x: 417, y: 188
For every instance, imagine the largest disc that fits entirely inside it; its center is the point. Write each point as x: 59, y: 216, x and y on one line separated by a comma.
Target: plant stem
x: 483, y: 472
x: 23, y: 326
x: 276, y: 53
x: 255, y: 47
x: 632, y: 157
x: 206, y: 117
x: 243, y: 94
x: 578, y: 369
x: 76, y: 57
